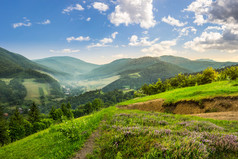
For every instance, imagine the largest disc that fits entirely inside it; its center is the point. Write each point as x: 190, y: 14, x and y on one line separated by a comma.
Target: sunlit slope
x: 221, y: 88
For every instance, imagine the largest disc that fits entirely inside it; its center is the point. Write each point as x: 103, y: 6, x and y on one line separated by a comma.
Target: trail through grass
x: 58, y: 142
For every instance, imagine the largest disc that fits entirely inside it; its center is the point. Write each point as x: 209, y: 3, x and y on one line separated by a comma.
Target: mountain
x: 197, y: 65
x: 20, y: 78
x: 69, y: 65
x: 119, y: 66
x: 208, y: 60
x: 134, y: 79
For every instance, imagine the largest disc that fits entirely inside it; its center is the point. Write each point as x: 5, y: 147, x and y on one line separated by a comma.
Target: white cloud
x: 214, y: 28
x: 72, y: 8
x: 47, y: 21
x: 106, y: 40
x: 114, y: 35
x: 88, y: 19
x: 133, y: 12
x: 80, y: 38
x: 102, y: 7
x: 225, y: 41
x: 174, y: 22
x: 65, y: 51
x: 222, y: 13
x: 26, y: 23
x: 162, y: 48
x: 199, y: 7
x: 186, y: 31
x: 134, y: 41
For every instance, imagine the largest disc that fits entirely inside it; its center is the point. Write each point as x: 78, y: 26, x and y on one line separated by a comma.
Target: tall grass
x: 58, y: 142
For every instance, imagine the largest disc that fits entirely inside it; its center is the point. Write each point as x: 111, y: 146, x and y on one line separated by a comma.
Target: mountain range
x: 131, y: 73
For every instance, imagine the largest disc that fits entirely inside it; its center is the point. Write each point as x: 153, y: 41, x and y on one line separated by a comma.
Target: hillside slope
x: 134, y: 79
x: 138, y: 134
x: 195, y: 65
x: 68, y: 65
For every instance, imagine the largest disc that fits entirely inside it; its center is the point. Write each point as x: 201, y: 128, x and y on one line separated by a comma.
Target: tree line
x: 209, y: 75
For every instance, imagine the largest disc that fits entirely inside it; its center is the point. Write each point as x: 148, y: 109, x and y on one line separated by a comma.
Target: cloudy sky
x: 100, y: 31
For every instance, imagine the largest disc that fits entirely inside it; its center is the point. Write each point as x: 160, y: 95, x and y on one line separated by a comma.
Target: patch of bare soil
x: 152, y: 105
x: 89, y: 145
x: 219, y: 115
x: 217, y: 104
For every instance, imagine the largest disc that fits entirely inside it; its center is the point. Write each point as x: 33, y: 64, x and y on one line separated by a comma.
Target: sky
x: 100, y: 31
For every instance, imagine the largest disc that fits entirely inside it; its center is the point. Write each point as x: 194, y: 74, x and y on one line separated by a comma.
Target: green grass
x: 222, y: 88
x: 58, y: 142
x: 33, y: 88
x: 6, y: 80
x: 138, y: 134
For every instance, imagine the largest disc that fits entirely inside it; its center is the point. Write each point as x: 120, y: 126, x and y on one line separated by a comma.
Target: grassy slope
x: 33, y: 89
x: 52, y: 143
x: 222, y: 88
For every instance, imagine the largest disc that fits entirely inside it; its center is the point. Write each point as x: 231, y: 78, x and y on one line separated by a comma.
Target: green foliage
x: 230, y: 73
x: 4, y: 134
x: 97, y: 104
x: 55, y: 143
x: 220, y: 88
x: 34, y: 114
x: 179, y: 81
x: 16, y: 126
x: 67, y: 112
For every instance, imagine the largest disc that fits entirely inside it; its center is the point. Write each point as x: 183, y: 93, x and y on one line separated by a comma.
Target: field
x: 222, y: 88
x: 138, y: 134
x: 35, y: 89
x: 97, y: 84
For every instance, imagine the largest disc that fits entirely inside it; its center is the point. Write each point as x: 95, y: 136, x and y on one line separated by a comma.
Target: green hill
x: 134, y: 79
x: 68, y: 65
x: 195, y: 65
x: 15, y: 70
x: 139, y: 134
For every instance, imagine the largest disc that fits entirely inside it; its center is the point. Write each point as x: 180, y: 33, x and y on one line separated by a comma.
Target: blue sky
x: 104, y: 30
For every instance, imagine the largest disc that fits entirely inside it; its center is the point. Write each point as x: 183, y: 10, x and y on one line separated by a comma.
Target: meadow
x: 138, y: 134
x: 196, y: 93
x: 33, y: 90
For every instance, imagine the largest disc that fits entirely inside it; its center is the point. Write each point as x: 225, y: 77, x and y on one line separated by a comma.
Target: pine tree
x: 52, y: 113
x: 16, y: 126
x: 4, y: 136
x: 34, y: 114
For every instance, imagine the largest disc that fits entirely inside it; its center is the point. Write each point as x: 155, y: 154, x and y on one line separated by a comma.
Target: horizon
x: 102, y: 31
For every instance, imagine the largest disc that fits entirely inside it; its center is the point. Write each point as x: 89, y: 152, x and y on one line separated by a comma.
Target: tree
x: 88, y: 108
x: 66, y: 109
x: 52, y: 113
x: 97, y: 104
x: 16, y: 126
x: 4, y: 135
x: 209, y: 75
x: 34, y: 114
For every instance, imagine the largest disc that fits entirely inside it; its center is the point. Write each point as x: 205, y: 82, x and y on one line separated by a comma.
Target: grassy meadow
x: 138, y: 134
x: 221, y: 88
x: 33, y: 90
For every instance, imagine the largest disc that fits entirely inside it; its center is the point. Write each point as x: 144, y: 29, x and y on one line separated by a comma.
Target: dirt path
x: 219, y: 115
x: 88, y: 146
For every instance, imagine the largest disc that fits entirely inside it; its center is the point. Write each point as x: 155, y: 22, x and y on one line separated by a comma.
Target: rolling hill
x: 134, y: 79
x: 15, y: 70
x: 68, y: 65
x: 195, y: 65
